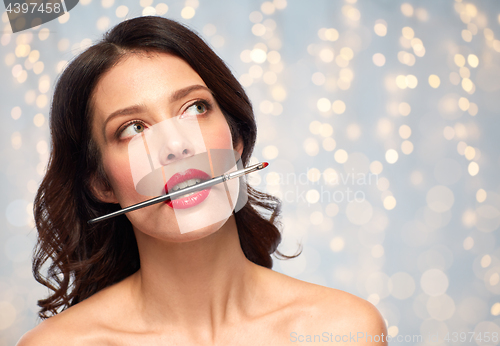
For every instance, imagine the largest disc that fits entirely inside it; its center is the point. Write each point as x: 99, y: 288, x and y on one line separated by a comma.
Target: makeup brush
x: 181, y: 192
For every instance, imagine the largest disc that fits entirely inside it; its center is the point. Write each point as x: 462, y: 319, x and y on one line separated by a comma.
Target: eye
x: 132, y: 129
x: 196, y: 108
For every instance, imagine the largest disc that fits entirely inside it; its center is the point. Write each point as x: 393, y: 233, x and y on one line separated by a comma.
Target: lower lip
x: 189, y: 201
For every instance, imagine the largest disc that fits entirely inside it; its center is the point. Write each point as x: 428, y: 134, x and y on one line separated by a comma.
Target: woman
x: 136, y: 279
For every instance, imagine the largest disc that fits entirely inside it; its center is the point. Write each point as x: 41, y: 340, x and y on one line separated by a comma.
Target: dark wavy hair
x: 83, y: 259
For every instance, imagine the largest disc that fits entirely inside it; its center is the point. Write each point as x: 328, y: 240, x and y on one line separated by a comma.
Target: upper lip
x: 188, y: 174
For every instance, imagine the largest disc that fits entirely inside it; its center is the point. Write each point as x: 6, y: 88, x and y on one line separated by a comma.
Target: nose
x: 176, y: 146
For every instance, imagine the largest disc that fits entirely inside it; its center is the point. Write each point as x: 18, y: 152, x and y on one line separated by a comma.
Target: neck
x: 200, y: 284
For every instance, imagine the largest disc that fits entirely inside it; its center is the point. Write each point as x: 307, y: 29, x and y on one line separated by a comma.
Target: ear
x: 102, y: 191
x: 239, y: 147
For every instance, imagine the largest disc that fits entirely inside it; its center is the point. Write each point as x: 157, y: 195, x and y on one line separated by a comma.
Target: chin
x: 173, y: 235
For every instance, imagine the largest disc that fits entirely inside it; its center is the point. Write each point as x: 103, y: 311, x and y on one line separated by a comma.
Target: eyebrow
x: 176, y: 96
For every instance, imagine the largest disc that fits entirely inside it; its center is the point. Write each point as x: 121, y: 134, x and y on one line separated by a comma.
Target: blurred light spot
x: 318, y: 78
x: 464, y: 72
x: 408, y: 32
x: 359, y: 213
x: 42, y: 147
x: 188, y: 12
x: 485, y: 261
x: 407, y: 147
x: 258, y: 55
x: 467, y: 35
x: 441, y: 307
x: 338, y: 107
x: 467, y: 84
x: 267, y: 8
x: 312, y: 196
x: 416, y: 178
x: 469, y: 218
x: 468, y: 243
x: 380, y: 27
x: 404, y: 108
x: 273, y: 57
x: 316, y: 218
x: 38, y: 120
x: 473, y: 109
x: 389, y: 202
x: 279, y: 93
x: 330, y: 176
x: 313, y: 174
x: 256, y: 17
x: 280, y: 4
x: 351, y: 12
x: 459, y: 60
x: 434, y: 81
x: 383, y: 184
x: 401, y: 285
x: 434, y: 282
x: 43, y: 34
x: 246, y: 56
x: 64, y: 18
x: 377, y: 283
x: 331, y: 210
x: 121, y: 11
x: 329, y: 144
x: 15, y: 113
x: 407, y: 9
x: 391, y: 156
x: 353, y: 131
x: 16, y: 140
x: 440, y: 198
x: 331, y: 34
x: 38, y: 67
x: 373, y: 298
x: 376, y: 167
x: 41, y: 101
x: 326, y: 55
x: 270, y: 152
x: 337, y: 244
x: 258, y: 29
x: 404, y: 131
x: 107, y: 3
x: 270, y: 78
x: 255, y: 71
x: 463, y: 103
x: 8, y: 315
x: 495, y: 309
x: 473, y: 168
x: 481, y: 195
x: 273, y: 178
x: 377, y: 251
x: 469, y: 152
x: 326, y: 130
x: 341, y: 156
x: 160, y: 9
x: 324, y: 104
x: 378, y: 59
x: 311, y: 146
x: 461, y: 145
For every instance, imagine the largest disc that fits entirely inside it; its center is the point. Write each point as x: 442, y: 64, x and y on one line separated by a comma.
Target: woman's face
x: 146, y: 92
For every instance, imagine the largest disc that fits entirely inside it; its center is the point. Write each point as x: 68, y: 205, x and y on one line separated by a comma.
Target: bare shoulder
x: 56, y: 330
x: 79, y: 325
x: 329, y: 313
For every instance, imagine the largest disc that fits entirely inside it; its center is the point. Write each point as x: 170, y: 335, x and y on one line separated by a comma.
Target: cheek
x: 119, y: 175
x: 219, y: 137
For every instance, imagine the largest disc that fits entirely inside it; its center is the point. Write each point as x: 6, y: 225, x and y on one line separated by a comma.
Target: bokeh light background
x: 379, y: 122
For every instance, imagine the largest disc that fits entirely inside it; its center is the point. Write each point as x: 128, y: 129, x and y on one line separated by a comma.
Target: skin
x: 196, y: 288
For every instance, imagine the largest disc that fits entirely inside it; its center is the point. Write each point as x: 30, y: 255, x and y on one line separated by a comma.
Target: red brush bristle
x: 265, y: 164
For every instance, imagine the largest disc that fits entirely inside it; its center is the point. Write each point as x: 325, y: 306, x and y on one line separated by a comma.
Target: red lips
x: 192, y: 200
